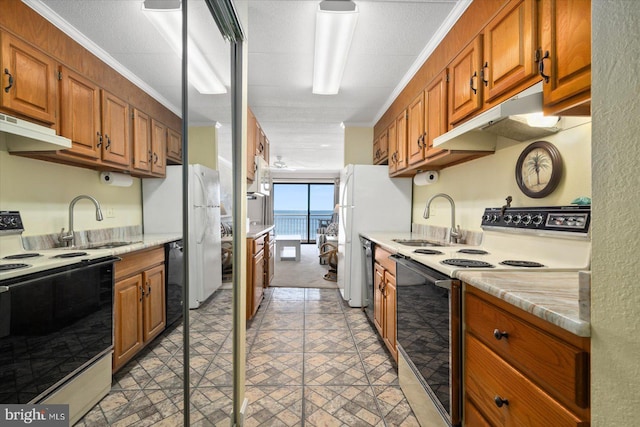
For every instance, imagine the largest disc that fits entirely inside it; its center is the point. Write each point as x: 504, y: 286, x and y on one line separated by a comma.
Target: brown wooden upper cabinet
x: 80, y: 114
x: 174, y: 147
x: 435, y: 113
x: 142, y: 154
x: 398, y: 145
x: 252, y: 127
x: 510, y: 50
x: 415, y: 129
x: 465, y: 85
x: 114, y: 138
x: 381, y: 147
x: 565, y: 56
x: 29, y: 85
x: 158, y: 148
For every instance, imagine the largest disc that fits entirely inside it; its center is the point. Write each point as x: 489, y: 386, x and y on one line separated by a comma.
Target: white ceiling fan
x: 280, y: 164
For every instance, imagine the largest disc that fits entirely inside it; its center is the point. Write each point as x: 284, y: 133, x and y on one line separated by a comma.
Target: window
x: 301, y: 208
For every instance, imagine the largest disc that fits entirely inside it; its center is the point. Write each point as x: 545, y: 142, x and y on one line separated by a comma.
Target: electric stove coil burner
x: 70, y: 255
x: 22, y: 256
x: 473, y: 251
x: 8, y: 267
x: 518, y: 263
x: 467, y: 263
x: 427, y: 252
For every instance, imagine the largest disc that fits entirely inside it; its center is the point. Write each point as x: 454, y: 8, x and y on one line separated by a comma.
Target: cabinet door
x: 384, y: 144
x: 128, y: 335
x: 401, y: 132
x: 415, y: 130
x: 115, y: 130
x: 566, y: 53
x: 271, y: 262
x: 392, y: 151
x: 435, y: 113
x: 465, y: 89
x: 378, y: 298
x: 142, y: 155
x: 261, y: 143
x: 174, y: 147
x: 251, y: 145
x: 376, y: 151
x: 29, y: 85
x: 509, y: 49
x: 80, y: 113
x: 154, y: 302
x: 258, y: 280
x: 389, y: 335
x: 158, y: 147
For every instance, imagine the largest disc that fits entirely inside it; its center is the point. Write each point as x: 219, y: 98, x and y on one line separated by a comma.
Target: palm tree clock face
x: 539, y: 169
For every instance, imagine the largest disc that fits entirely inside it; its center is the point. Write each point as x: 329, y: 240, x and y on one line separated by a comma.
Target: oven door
x: 428, y: 332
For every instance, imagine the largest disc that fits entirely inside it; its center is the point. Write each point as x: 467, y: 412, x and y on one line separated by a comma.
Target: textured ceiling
x: 391, y: 40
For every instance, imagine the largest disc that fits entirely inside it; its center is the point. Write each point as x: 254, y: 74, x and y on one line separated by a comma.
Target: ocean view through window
x: 302, y: 208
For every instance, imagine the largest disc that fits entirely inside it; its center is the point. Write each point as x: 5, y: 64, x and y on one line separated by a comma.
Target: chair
x: 329, y: 252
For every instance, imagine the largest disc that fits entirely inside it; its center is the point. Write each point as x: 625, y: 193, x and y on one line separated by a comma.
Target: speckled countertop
x: 257, y: 230
x: 146, y: 241
x: 552, y: 296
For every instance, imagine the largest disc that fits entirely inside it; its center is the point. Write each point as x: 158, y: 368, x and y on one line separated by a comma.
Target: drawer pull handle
x: 500, y: 401
x: 497, y: 334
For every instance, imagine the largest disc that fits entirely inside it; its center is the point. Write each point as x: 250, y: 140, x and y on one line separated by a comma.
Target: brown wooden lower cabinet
x: 255, y: 274
x: 384, y: 299
x: 521, y: 370
x: 139, y: 302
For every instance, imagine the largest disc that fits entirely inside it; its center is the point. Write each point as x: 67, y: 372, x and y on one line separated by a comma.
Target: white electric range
x: 553, y: 238
x: 15, y: 261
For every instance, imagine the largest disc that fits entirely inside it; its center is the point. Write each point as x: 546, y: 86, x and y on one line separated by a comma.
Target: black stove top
x: 9, y: 267
x: 427, y: 252
x: 520, y: 263
x: 467, y: 263
x: 22, y: 256
x: 473, y: 251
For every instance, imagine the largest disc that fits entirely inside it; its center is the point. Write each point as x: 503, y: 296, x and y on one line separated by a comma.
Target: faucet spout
x: 68, y: 238
x: 453, y: 233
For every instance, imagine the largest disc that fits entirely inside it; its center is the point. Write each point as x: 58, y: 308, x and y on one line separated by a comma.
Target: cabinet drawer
x: 489, y: 378
x: 136, y: 262
x: 382, y: 258
x: 258, y: 244
x: 546, y: 359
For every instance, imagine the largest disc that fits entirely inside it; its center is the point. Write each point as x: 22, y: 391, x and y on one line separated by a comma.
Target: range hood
x: 21, y: 135
x: 481, y: 132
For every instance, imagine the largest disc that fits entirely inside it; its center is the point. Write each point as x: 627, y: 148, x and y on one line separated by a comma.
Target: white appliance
x: 162, y: 213
x: 369, y: 201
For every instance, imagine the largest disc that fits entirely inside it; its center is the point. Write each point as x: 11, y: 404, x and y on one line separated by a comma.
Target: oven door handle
x: 411, y: 265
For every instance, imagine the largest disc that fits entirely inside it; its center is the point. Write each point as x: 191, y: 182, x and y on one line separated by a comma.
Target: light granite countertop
x: 257, y: 230
x: 552, y: 296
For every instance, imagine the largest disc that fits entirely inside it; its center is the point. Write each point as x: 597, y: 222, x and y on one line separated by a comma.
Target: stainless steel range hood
x: 480, y: 133
x: 21, y: 135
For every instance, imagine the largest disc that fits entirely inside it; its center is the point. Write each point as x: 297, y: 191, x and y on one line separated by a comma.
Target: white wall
x: 41, y: 191
x: 358, y: 145
x: 615, y: 298
x: 486, y: 182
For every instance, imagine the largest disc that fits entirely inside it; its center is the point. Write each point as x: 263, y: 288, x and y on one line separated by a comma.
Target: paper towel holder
x: 425, y: 177
x: 116, y: 179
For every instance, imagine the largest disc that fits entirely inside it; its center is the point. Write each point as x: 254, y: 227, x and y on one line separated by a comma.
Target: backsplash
x: 437, y: 233
x: 85, y: 237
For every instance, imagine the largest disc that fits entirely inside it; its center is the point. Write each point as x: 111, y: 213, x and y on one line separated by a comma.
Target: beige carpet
x: 306, y: 273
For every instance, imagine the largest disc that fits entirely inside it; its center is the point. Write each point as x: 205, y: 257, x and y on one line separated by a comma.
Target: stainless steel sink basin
x: 418, y: 242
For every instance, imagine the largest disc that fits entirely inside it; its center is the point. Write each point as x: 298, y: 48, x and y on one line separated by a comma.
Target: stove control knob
x: 516, y: 219
x: 495, y: 218
x: 486, y: 218
x: 526, y: 220
x: 508, y: 218
x: 537, y: 220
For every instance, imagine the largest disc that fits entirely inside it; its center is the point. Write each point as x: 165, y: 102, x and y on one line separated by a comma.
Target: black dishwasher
x: 174, y: 265
x: 367, y: 276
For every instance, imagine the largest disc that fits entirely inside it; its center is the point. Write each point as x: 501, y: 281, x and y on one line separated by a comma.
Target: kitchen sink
x: 418, y: 242
x: 103, y: 245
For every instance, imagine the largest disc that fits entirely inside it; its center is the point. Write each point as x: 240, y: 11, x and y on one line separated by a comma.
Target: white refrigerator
x: 162, y: 213
x: 369, y: 201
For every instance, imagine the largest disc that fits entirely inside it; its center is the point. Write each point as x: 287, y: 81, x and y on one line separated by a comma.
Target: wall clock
x: 539, y: 169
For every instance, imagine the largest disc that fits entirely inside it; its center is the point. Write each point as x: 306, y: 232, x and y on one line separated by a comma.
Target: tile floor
x: 311, y: 361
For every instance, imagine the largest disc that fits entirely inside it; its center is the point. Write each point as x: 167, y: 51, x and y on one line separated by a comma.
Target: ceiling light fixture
x: 335, y: 24
x: 165, y: 15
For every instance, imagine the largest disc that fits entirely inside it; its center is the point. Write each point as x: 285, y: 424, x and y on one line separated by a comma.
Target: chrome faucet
x: 454, y: 234
x: 68, y: 238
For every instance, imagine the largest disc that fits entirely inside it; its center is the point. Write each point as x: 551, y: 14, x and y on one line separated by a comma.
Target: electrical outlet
x: 110, y: 213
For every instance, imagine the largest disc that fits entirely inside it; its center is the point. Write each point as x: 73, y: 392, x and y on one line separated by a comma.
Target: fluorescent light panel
x: 335, y: 24
x: 166, y: 16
